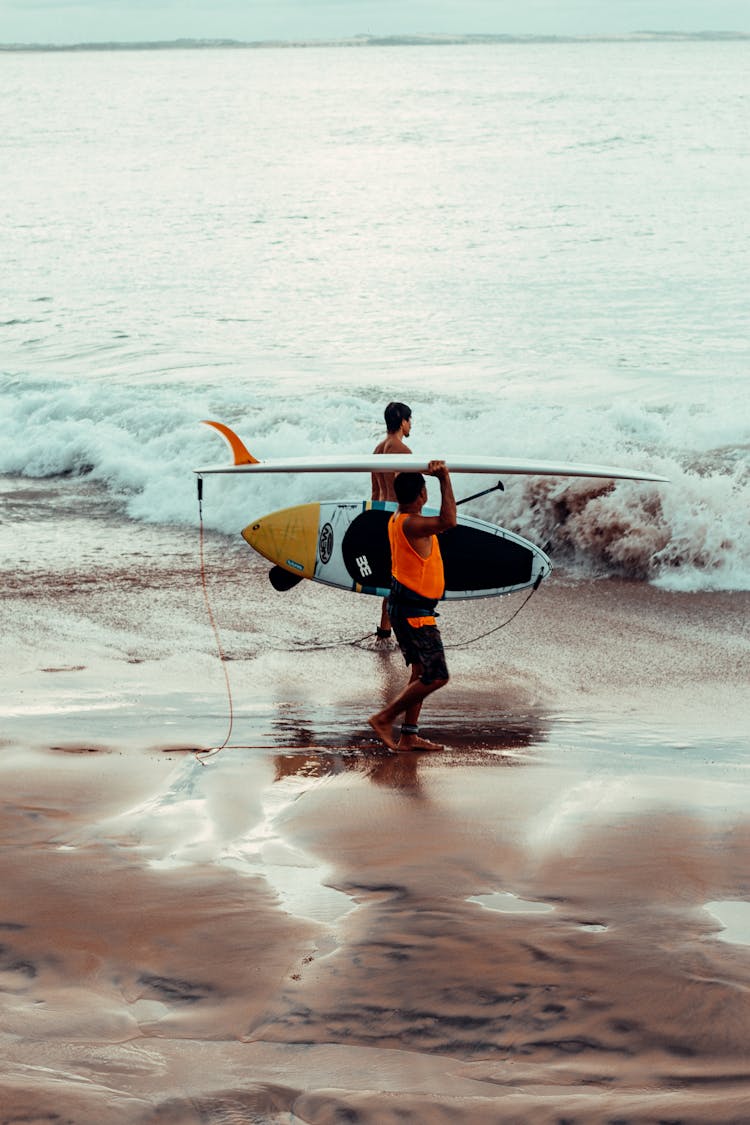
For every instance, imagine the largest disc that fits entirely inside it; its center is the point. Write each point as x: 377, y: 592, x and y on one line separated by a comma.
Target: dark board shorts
x: 421, y: 646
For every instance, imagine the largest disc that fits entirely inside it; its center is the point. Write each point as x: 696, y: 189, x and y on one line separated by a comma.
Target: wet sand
x: 548, y: 922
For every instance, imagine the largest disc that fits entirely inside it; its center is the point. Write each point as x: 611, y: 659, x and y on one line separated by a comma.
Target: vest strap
x: 409, y: 602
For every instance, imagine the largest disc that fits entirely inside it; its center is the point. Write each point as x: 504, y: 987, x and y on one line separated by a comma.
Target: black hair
x: 408, y: 486
x: 395, y: 414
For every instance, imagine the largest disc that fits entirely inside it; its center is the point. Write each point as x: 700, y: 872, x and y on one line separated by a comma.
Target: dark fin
x: 282, y: 579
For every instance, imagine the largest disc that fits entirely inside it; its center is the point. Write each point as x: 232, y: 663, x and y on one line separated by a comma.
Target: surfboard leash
x: 356, y: 642
x: 215, y: 627
x: 481, y: 636
x: 353, y: 642
x: 202, y: 755
x: 547, y: 547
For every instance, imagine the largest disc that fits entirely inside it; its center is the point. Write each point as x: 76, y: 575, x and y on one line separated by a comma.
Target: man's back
x: 382, y: 483
x: 397, y: 417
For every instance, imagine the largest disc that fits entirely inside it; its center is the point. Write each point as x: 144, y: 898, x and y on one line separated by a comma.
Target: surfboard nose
x: 288, y: 538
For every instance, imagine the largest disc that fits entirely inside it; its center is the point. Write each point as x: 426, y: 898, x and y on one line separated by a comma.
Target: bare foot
x: 414, y: 742
x: 384, y: 730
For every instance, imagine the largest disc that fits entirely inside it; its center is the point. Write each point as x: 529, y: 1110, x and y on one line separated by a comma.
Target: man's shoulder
x: 394, y: 445
x: 380, y: 447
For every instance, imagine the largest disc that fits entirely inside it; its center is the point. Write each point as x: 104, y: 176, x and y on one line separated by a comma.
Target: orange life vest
x: 425, y: 577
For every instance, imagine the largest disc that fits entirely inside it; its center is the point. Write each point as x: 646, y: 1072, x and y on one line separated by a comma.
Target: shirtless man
x: 417, y: 583
x: 398, y: 425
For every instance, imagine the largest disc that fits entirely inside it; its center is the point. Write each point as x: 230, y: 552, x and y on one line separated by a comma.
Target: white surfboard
x: 244, y: 462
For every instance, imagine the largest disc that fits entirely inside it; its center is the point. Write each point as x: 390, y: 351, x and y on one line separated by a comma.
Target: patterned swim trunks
x: 422, y: 645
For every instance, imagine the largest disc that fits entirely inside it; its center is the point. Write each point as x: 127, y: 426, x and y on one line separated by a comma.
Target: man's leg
x: 384, y: 628
x: 409, y: 701
x: 411, y: 714
x: 431, y: 658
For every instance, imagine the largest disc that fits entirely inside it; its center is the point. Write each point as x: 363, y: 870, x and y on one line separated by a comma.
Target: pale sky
x: 63, y: 21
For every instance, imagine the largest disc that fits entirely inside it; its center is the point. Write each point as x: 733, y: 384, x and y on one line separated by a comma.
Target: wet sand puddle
x: 523, y: 928
x: 207, y: 820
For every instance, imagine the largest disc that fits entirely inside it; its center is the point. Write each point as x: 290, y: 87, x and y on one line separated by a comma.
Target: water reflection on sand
x: 307, y: 896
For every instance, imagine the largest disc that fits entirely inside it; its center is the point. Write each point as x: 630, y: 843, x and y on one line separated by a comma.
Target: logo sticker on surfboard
x: 325, y: 543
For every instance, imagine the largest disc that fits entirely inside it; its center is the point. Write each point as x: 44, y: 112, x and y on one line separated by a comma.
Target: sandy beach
x: 547, y: 922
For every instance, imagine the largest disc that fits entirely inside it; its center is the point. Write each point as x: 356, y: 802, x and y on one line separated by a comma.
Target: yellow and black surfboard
x: 345, y: 544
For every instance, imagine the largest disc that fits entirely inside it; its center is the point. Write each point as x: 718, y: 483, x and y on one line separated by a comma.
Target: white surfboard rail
x: 414, y: 463
x: 245, y: 462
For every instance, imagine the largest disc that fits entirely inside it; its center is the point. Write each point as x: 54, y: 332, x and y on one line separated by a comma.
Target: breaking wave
x: 143, y: 442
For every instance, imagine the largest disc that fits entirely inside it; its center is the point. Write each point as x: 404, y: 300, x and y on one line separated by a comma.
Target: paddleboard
x: 244, y: 462
x: 345, y: 544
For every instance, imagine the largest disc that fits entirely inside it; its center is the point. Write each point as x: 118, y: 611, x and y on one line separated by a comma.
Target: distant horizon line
x: 366, y: 40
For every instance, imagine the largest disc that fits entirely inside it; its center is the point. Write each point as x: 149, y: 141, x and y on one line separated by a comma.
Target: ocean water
x: 541, y: 248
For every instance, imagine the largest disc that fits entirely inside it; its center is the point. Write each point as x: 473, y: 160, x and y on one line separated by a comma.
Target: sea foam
x: 142, y: 442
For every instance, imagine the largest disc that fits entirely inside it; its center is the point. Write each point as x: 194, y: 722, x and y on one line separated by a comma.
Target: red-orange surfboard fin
x: 239, y: 452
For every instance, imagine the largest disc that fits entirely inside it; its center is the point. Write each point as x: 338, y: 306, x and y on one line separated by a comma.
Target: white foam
x: 734, y: 917
x: 143, y: 441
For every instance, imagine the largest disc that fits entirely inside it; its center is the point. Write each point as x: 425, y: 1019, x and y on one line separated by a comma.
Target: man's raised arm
x: 448, y: 515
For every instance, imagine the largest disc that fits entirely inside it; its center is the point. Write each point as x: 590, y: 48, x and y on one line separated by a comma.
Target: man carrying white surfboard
x: 417, y: 583
x: 398, y: 426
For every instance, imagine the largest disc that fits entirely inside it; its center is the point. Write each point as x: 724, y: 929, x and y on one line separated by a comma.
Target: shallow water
x: 298, y: 907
